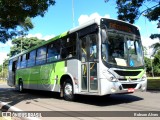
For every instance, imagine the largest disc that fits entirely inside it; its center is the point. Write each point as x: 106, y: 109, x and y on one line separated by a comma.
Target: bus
x: 101, y: 57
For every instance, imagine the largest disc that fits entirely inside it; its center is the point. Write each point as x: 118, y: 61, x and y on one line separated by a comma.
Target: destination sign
x: 119, y: 25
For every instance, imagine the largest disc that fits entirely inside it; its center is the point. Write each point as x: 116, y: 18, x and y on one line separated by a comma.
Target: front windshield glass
x: 122, y: 49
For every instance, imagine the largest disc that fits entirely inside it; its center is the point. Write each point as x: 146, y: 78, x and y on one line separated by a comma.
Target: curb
x: 4, y: 107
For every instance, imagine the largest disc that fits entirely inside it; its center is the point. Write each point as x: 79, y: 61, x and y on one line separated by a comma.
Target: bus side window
x: 19, y: 62
x: 68, y: 49
x: 10, y: 65
x: 23, y: 61
x: 41, y: 56
x: 53, y: 51
x: 31, y: 58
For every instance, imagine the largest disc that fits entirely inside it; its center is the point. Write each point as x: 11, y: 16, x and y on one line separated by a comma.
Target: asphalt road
x: 115, y: 107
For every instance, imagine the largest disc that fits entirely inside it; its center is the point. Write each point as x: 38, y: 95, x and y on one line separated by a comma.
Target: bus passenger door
x: 12, y: 72
x: 88, y: 57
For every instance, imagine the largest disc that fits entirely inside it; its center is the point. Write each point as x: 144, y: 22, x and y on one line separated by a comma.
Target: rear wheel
x: 20, y: 87
x: 68, y: 90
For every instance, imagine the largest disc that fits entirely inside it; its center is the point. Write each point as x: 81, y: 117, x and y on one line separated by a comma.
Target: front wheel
x: 68, y: 90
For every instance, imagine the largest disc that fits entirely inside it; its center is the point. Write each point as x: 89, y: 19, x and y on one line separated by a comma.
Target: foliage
x: 24, y: 44
x: 148, y: 65
x: 155, y: 46
x: 15, y: 16
x: 4, y: 74
x: 156, y: 63
x: 129, y: 10
x: 154, y: 36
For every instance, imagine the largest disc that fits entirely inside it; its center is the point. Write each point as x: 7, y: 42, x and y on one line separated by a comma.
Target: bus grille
x: 126, y: 79
x: 127, y: 73
x: 129, y: 85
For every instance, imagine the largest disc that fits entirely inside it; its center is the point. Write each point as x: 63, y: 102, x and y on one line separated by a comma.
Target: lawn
x: 153, y: 83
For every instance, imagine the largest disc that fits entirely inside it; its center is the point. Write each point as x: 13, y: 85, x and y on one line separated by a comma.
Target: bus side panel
x: 44, y: 82
x: 24, y: 75
x: 33, y: 77
x: 50, y: 75
x: 29, y: 76
x: 74, y: 69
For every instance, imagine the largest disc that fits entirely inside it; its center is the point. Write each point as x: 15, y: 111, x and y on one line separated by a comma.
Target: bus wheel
x: 20, y: 86
x: 68, y: 90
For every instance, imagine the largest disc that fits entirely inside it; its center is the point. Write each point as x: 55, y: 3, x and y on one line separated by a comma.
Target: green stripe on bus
x: 138, y: 76
x: 43, y: 74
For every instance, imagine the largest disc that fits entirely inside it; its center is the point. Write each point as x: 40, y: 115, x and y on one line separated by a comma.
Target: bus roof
x: 93, y: 21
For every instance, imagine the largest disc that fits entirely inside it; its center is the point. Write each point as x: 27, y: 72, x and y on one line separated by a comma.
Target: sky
x: 59, y: 18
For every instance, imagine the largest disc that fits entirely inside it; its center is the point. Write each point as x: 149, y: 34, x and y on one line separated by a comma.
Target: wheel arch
x: 65, y: 77
x: 20, y: 80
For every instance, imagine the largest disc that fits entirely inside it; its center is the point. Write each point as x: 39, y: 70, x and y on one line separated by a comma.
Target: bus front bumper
x: 122, y: 87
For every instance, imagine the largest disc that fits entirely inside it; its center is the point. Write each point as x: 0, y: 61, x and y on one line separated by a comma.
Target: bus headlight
x: 113, y: 79
x: 110, y: 76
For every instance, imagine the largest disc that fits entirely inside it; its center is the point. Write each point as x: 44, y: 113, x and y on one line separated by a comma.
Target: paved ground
x: 139, y: 102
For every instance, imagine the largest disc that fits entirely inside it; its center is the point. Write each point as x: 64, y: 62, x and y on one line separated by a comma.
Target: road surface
x: 115, y: 107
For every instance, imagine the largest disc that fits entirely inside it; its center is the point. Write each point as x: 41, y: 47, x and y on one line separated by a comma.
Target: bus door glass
x: 12, y: 72
x: 89, y: 56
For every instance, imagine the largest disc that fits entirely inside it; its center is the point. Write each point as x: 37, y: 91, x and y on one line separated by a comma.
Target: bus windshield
x: 122, y: 49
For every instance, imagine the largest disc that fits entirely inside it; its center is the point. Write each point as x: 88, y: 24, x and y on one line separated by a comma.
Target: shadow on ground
x: 107, y: 100
x: 13, y: 97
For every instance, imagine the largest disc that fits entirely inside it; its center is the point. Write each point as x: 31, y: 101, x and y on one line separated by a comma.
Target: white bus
x: 100, y: 57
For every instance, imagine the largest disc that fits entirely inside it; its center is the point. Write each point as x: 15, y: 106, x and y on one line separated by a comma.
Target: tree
x: 16, y: 13
x: 148, y: 65
x: 156, y: 63
x: 4, y: 72
x: 23, y: 44
x: 129, y: 10
x: 155, y: 46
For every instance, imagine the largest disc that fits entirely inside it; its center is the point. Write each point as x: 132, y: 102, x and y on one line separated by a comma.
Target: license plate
x: 130, y: 89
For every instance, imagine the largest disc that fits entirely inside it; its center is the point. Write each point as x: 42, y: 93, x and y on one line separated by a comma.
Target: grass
x: 153, y: 78
x: 153, y: 83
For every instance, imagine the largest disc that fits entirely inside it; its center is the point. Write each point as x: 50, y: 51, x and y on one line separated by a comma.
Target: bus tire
x: 20, y: 86
x: 68, y: 93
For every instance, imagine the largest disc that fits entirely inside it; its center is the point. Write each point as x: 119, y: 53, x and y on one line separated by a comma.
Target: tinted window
x: 24, y: 61
x: 19, y: 62
x: 41, y: 55
x: 10, y: 65
x: 53, y: 51
x: 68, y: 47
x: 93, y: 47
x: 31, y: 58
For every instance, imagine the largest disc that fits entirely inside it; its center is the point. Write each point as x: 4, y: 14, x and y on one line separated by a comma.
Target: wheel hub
x: 68, y: 89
